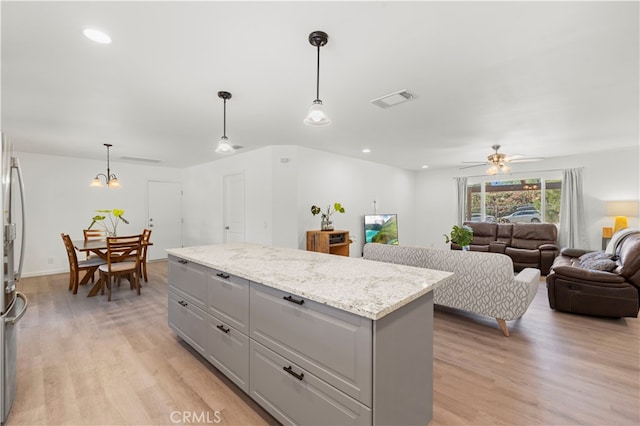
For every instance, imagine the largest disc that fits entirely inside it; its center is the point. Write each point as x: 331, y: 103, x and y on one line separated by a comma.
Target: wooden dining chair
x: 123, y: 259
x: 146, y: 237
x: 94, y: 234
x: 90, y: 266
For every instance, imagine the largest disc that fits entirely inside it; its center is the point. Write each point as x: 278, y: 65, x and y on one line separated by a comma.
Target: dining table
x: 99, y: 248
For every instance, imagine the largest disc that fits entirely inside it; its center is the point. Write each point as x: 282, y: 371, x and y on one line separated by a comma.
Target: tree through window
x: 515, y: 201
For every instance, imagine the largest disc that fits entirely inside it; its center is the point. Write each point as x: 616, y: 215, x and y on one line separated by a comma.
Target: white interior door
x: 233, y: 220
x: 164, y: 217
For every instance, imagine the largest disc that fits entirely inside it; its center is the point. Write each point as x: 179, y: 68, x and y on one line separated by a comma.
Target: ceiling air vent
x: 393, y: 99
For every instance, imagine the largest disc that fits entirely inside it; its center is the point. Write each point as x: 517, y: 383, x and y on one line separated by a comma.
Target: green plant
x: 461, y: 235
x: 337, y: 208
x: 115, y: 216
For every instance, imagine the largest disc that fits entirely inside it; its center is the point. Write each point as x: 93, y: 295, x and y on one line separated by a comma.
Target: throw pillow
x: 606, y: 265
x: 594, y: 255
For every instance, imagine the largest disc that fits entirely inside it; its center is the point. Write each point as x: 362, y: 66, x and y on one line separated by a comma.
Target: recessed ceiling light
x: 425, y: 167
x: 366, y: 150
x: 96, y: 35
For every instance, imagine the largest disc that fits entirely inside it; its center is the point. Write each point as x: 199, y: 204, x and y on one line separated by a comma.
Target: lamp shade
x: 622, y: 208
x: 317, y: 116
x: 224, y: 146
x: 114, y: 183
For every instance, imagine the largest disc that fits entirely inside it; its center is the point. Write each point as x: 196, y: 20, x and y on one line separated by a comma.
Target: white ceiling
x: 542, y: 79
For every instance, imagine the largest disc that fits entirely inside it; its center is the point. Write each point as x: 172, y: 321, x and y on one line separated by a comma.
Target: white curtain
x: 461, y: 183
x: 572, y: 223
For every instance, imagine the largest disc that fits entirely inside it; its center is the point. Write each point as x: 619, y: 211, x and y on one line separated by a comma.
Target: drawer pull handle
x: 221, y: 328
x: 221, y: 275
x: 292, y: 300
x: 184, y: 262
x: 289, y: 370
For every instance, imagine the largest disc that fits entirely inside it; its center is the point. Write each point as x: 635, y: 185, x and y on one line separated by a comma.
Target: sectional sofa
x: 483, y: 283
x: 529, y: 245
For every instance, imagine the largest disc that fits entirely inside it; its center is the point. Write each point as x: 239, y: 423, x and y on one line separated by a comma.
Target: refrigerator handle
x: 15, y: 164
x: 20, y: 314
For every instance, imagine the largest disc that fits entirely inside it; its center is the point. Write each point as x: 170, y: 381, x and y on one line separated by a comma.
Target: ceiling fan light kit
x: 224, y: 146
x: 497, y: 162
x: 316, y: 115
x: 110, y: 178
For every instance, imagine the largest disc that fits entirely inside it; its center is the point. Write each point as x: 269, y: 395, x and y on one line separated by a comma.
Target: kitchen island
x: 312, y: 337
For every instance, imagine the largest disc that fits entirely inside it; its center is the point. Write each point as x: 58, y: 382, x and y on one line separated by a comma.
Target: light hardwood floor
x: 88, y: 361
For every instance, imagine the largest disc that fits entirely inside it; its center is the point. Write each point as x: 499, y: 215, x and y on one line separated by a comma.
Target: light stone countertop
x: 363, y: 287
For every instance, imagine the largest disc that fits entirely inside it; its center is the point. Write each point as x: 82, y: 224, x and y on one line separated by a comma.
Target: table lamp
x: 621, y: 210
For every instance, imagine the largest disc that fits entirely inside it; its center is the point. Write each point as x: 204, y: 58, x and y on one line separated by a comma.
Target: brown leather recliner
x: 533, y: 245
x: 572, y: 287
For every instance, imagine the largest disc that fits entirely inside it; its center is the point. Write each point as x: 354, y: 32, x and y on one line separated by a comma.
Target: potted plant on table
x: 326, y: 224
x: 115, y: 216
x: 461, y: 235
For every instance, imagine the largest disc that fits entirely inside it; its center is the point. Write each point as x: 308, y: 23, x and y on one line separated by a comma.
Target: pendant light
x: 224, y: 146
x: 110, y: 179
x: 316, y: 115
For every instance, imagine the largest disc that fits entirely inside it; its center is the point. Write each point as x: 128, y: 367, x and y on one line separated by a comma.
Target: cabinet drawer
x: 334, y: 345
x: 228, y: 351
x: 188, y: 321
x: 190, y: 278
x: 302, y: 400
x: 229, y: 299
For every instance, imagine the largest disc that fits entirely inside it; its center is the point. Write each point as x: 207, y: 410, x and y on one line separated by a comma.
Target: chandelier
x: 110, y: 179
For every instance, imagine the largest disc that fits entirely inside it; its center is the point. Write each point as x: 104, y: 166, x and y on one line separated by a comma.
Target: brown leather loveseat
x: 594, y: 283
x: 529, y: 245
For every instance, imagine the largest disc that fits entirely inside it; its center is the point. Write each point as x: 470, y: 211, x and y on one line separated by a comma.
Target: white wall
x: 59, y: 200
x: 281, y: 184
x: 203, y: 197
x: 326, y: 178
x: 608, y: 176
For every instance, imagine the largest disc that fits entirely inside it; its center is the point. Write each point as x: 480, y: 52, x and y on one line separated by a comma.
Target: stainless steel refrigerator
x: 12, y: 303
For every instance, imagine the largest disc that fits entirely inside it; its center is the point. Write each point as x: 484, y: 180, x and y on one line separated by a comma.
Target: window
x: 533, y: 200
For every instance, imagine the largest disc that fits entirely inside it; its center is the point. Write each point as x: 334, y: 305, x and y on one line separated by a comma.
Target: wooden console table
x: 332, y: 242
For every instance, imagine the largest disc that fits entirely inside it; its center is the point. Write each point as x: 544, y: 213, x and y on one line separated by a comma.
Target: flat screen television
x: 381, y: 228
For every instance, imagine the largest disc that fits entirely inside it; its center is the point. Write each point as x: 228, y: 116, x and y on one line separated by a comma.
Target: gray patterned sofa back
x: 484, y: 283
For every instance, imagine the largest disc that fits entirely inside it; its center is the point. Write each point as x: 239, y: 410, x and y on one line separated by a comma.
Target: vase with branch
x: 109, y: 220
x: 326, y: 224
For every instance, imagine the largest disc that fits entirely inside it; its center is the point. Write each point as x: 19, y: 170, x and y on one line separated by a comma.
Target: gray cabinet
x: 332, y: 344
x: 295, y: 396
x: 228, y: 308
x: 228, y: 351
x: 186, y: 319
x: 190, y: 278
x: 303, y: 361
x: 228, y: 299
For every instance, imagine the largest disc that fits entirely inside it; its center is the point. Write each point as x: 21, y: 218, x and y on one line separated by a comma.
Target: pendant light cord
x: 224, y: 118
x: 108, y: 170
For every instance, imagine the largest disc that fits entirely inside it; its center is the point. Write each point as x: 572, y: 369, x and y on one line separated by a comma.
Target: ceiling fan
x: 498, y: 162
